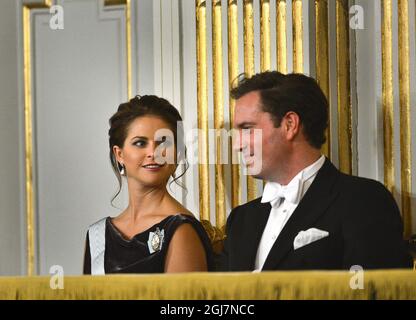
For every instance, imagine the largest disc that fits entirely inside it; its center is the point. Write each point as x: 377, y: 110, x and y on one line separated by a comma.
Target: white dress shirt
x: 284, y: 200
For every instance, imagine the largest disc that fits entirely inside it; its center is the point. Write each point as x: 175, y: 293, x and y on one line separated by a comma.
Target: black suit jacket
x: 361, y: 216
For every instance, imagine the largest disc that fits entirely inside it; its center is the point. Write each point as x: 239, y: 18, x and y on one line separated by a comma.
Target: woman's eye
x: 165, y: 142
x: 140, y: 143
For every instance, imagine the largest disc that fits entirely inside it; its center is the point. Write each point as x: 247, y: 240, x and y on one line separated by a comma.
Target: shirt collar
x: 269, y: 192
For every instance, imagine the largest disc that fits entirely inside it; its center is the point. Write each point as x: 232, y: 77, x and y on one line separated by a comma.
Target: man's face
x: 249, y: 120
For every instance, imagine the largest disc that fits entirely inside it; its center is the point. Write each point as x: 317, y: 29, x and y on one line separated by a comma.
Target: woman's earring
x: 122, y: 171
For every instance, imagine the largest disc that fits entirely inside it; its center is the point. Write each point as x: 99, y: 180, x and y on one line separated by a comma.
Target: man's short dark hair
x: 281, y: 94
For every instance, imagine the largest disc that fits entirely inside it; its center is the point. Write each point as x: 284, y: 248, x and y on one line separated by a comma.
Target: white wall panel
x: 80, y: 79
x: 11, y: 208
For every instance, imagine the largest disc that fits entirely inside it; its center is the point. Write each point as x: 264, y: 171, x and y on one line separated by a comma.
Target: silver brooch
x: 155, y: 240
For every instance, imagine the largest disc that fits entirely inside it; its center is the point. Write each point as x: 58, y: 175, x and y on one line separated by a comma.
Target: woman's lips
x: 153, y: 167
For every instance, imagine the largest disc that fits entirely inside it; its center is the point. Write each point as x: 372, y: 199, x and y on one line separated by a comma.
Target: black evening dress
x: 137, y: 254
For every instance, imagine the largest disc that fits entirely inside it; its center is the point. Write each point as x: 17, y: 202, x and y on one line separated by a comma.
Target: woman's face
x: 149, y: 152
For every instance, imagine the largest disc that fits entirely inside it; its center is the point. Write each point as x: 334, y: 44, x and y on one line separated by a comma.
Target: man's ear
x: 291, y: 123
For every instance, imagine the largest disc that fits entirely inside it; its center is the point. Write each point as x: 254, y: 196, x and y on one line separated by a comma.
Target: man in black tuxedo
x: 311, y: 216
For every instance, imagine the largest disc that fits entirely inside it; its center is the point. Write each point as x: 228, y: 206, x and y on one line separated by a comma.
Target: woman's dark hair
x: 282, y: 93
x: 140, y: 106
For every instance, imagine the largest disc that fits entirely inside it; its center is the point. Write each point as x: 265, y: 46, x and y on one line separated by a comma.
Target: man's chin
x: 256, y: 174
x: 253, y: 169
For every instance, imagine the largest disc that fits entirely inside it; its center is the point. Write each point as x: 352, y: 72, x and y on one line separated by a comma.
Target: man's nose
x: 237, y: 143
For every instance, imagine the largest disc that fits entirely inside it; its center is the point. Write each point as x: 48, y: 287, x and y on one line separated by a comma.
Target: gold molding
x: 220, y: 215
x: 232, y: 75
x: 249, y: 71
x: 297, y: 36
x: 265, y: 64
x: 27, y: 70
x: 248, y: 38
x: 202, y: 101
x: 281, y: 36
x: 344, y: 87
x: 127, y: 3
x: 387, y: 84
x: 405, y: 128
x: 322, y: 61
x: 265, y: 35
x: 108, y: 3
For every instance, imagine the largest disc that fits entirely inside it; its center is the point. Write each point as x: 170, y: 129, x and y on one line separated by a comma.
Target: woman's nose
x: 155, y: 151
x: 151, y: 151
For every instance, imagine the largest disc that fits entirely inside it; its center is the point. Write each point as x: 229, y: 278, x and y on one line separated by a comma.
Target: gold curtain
x: 336, y: 285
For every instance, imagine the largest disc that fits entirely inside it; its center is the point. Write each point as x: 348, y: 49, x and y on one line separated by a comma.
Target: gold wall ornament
x: 405, y: 129
x: 27, y: 78
x: 216, y: 235
x: 202, y: 101
x: 220, y: 214
x: 297, y: 36
x: 344, y: 87
x: 249, y: 72
x: 232, y: 12
x: 322, y: 61
x: 387, y: 87
x: 281, y: 36
x: 265, y: 64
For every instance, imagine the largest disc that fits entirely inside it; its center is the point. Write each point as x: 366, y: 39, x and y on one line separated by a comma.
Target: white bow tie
x: 274, y: 192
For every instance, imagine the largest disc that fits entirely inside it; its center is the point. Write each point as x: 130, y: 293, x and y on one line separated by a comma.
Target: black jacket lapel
x: 314, y: 203
x: 256, y: 222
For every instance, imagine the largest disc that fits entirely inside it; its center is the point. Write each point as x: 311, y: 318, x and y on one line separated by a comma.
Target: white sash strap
x: 96, y: 234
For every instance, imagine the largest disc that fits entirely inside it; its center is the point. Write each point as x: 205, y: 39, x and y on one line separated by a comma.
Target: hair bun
x: 126, y: 106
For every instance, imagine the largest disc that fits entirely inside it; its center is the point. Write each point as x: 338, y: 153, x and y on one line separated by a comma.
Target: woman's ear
x: 181, y: 155
x: 118, y: 154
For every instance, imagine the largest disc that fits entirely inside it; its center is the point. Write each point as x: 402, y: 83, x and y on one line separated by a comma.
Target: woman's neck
x: 145, y: 201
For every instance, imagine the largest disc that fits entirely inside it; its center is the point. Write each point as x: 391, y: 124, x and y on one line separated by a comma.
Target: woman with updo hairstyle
x: 155, y: 233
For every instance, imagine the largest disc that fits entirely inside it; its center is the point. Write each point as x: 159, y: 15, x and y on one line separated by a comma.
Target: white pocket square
x: 306, y: 237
